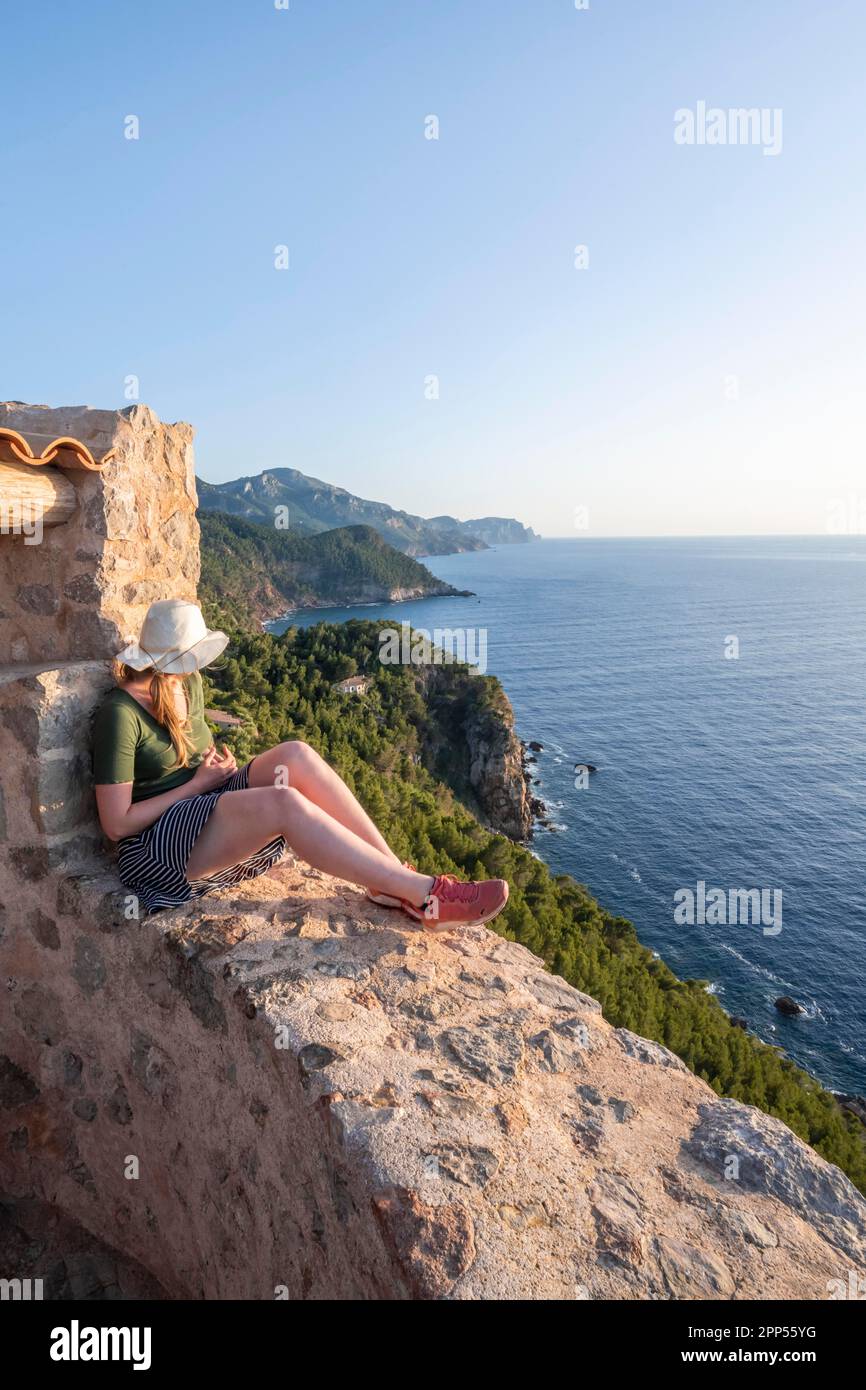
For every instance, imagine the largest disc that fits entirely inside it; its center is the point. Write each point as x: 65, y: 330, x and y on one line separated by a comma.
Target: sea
x: 718, y: 686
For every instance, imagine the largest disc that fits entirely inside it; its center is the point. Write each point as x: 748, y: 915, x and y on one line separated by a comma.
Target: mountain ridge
x: 314, y: 505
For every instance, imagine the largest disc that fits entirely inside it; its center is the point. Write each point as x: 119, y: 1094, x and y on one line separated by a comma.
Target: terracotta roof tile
x: 219, y: 716
x: 65, y: 451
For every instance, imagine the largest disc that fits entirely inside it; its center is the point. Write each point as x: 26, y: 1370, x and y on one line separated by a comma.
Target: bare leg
x: 243, y: 822
x: 297, y: 765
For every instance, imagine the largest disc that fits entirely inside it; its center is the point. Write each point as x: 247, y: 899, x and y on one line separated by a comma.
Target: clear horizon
x: 584, y: 536
x: 484, y: 260
x: 706, y: 536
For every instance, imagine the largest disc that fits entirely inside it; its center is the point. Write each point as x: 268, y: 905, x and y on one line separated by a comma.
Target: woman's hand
x: 227, y: 758
x: 213, y: 769
x: 119, y: 816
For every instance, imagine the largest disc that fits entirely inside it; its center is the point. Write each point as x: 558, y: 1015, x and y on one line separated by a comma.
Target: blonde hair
x: 164, y: 708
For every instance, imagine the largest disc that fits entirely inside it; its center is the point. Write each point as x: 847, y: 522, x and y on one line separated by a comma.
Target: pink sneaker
x: 451, y: 903
x: 385, y: 899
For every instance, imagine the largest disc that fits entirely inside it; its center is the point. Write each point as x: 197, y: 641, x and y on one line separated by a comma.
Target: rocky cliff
x: 492, y: 530
x: 472, y: 746
x: 497, y: 772
x: 288, y: 1088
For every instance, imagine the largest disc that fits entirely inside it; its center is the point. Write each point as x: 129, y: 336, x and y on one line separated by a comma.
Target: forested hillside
x: 254, y: 572
x: 284, y: 689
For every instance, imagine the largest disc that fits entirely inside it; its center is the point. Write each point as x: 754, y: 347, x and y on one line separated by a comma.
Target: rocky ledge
x: 284, y: 1090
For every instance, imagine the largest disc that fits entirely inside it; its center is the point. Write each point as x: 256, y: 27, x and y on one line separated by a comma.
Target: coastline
x: 321, y: 605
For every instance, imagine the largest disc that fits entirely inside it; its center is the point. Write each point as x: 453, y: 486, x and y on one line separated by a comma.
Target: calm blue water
x: 743, y: 773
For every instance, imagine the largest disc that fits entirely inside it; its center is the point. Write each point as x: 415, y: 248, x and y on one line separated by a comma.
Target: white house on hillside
x: 353, y: 685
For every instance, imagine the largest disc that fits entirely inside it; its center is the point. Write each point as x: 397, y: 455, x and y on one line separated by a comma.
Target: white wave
x: 758, y: 969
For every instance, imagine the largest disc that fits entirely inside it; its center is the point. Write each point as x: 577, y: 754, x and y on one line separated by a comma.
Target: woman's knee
x: 296, y: 755
x: 284, y: 804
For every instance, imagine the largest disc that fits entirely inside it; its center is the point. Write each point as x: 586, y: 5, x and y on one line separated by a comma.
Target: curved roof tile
x: 65, y: 451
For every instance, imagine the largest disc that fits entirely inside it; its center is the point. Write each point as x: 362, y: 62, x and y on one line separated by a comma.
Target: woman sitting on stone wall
x: 187, y: 820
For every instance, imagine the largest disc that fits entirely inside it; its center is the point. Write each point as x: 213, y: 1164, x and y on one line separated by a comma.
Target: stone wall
x: 67, y: 604
x: 283, y: 1090
x: 132, y: 539
x: 47, y: 812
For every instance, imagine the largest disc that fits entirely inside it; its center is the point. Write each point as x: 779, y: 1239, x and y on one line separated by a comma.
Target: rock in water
x: 786, y: 1005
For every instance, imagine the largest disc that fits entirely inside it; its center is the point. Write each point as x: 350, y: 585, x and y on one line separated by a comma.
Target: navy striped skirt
x: 153, y: 863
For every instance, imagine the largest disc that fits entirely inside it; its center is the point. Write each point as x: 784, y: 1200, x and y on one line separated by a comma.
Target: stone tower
x: 67, y: 604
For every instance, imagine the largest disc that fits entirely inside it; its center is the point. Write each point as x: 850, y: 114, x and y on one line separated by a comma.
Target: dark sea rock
x: 786, y: 1005
x: 536, y: 747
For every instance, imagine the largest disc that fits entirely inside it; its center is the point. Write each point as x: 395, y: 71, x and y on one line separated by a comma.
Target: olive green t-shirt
x: 130, y: 746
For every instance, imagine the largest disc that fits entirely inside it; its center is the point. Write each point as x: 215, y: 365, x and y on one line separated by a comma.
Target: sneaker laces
x: 451, y: 890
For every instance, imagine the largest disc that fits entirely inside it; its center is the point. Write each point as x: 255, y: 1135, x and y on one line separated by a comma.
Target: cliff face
x: 497, y: 773
x: 492, y: 530
x: 475, y: 750
x: 321, y: 1098
x: 498, y: 530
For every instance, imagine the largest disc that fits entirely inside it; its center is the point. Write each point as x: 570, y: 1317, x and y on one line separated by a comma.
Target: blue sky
x: 704, y: 374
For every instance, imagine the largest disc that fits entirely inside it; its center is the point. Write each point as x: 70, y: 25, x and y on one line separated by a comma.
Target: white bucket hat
x: 174, y: 639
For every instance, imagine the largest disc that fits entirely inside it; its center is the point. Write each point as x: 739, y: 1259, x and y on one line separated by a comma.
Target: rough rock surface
x: 325, y: 1099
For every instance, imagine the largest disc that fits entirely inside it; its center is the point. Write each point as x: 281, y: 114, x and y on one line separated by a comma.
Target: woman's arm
x: 120, y: 816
